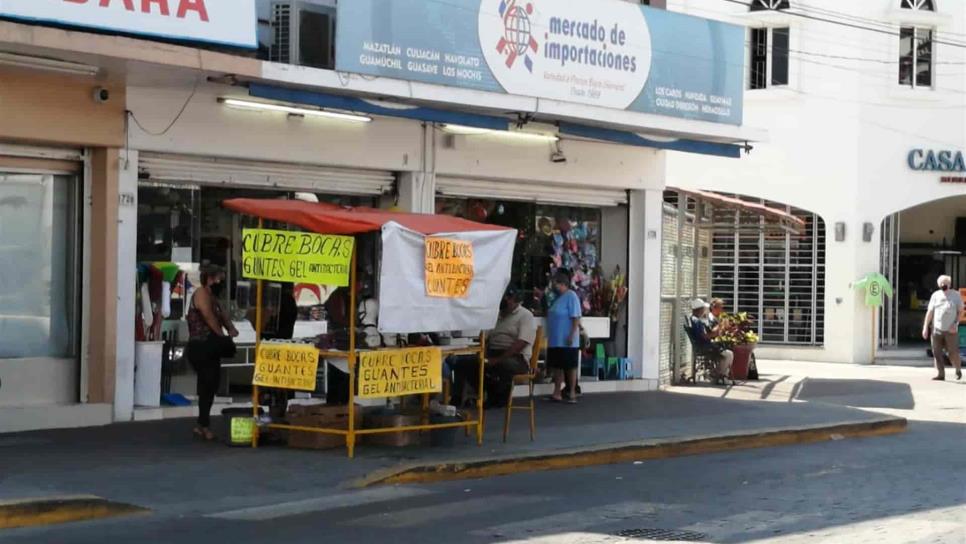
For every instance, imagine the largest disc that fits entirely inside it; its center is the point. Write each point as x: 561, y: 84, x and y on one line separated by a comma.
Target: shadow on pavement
x: 857, y: 393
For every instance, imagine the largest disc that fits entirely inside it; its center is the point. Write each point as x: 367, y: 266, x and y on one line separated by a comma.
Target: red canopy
x: 332, y: 219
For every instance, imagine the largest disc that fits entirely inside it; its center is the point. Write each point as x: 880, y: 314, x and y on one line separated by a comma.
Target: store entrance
x: 183, y: 227
x: 40, y: 233
x: 920, y: 244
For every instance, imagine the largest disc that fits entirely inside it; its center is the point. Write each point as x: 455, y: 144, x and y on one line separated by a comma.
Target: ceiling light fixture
x: 52, y: 65
x: 510, y: 134
x: 291, y: 110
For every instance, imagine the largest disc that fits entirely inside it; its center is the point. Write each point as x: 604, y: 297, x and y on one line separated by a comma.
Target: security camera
x: 101, y: 95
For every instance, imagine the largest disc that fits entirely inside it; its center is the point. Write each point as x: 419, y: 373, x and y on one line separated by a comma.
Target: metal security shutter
x: 165, y: 168
x: 530, y: 192
x: 779, y: 277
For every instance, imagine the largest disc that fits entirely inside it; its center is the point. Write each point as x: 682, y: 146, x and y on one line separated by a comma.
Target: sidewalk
x: 158, y: 465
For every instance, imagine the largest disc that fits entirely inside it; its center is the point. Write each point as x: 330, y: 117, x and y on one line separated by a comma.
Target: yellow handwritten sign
x: 286, y: 366
x: 296, y: 257
x: 398, y: 372
x: 449, y: 267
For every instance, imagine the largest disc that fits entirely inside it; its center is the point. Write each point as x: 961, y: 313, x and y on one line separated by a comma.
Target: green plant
x: 735, y: 330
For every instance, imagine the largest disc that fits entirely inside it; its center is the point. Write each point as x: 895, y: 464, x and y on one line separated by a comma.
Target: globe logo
x: 517, y: 40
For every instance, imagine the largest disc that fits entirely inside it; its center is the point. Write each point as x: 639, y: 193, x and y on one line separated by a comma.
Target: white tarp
x: 404, y: 306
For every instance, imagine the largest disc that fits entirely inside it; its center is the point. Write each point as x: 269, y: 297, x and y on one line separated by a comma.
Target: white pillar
x: 417, y: 192
x: 126, y: 284
x: 644, y: 284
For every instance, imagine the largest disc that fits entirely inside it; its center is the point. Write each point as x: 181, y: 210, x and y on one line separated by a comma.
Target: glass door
x: 39, y: 278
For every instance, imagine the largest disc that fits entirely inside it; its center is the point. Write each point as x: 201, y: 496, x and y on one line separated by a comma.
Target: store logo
x: 517, y: 40
x: 586, y: 52
x: 928, y: 160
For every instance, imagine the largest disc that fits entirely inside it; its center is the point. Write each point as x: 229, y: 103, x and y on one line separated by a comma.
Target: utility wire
x: 847, y: 24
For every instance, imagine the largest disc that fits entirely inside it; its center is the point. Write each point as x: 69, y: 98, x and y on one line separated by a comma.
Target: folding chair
x: 701, y: 363
x: 530, y: 380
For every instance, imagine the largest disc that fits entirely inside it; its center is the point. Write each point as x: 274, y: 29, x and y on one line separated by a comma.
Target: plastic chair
x: 529, y: 379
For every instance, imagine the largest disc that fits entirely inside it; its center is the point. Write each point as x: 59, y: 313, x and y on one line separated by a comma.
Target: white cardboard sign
x: 227, y: 22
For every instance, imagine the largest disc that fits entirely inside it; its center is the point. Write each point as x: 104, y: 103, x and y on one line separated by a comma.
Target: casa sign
x: 224, y: 22
x: 945, y: 161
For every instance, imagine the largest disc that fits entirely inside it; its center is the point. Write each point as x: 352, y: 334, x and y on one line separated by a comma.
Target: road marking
x: 427, y: 515
x: 574, y: 521
x: 320, y: 504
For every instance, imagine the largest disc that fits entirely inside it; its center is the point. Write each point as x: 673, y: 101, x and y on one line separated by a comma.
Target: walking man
x: 945, y: 307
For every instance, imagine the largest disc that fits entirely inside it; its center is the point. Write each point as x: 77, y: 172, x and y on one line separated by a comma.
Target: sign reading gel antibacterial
x: 227, y: 22
x: 573, y: 51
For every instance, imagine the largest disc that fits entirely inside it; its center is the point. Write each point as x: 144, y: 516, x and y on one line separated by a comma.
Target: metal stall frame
x: 352, y: 356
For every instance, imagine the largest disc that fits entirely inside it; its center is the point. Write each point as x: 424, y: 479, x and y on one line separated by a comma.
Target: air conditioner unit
x: 303, y: 33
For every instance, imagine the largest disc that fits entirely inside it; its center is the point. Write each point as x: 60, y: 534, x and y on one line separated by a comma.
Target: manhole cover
x: 662, y: 534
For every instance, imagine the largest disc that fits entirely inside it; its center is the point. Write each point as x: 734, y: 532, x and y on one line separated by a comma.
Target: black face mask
x: 217, y: 289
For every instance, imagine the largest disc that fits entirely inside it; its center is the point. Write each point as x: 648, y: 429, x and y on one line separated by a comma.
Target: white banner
x: 228, y: 22
x: 404, y: 306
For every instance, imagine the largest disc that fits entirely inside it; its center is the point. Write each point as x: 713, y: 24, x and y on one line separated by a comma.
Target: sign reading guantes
x: 227, y: 22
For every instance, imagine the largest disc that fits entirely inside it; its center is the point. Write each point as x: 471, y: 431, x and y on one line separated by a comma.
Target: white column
x: 126, y: 284
x: 417, y: 192
x: 644, y: 284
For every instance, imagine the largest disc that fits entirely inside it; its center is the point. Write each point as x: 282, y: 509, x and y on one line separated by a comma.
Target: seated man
x: 508, y: 350
x: 703, y: 333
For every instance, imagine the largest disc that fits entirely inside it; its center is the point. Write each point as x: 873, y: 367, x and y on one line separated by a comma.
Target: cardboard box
x: 322, y: 416
x: 379, y: 420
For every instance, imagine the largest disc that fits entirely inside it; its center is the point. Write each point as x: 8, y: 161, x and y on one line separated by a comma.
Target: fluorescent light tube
x: 52, y: 65
x: 291, y: 110
x: 509, y: 134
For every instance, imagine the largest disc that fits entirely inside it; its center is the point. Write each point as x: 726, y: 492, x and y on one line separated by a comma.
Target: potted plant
x: 735, y: 332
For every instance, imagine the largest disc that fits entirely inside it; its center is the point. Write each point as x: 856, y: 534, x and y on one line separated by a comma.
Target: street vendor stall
x: 436, y: 273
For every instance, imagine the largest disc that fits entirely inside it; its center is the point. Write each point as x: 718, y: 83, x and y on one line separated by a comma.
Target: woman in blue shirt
x: 563, y: 338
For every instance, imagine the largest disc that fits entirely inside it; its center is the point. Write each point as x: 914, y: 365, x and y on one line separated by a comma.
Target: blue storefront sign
x: 605, y: 53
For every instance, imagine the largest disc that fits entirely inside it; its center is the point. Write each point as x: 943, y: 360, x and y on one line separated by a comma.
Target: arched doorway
x: 919, y: 244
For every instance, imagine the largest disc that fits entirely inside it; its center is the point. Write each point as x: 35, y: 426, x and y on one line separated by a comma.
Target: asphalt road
x: 907, y: 488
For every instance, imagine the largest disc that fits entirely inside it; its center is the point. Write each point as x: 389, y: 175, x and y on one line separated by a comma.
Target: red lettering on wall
x: 162, y: 5
x: 128, y: 4
x: 197, y: 6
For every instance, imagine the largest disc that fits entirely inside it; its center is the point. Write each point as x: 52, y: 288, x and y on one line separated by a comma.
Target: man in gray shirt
x: 945, y: 309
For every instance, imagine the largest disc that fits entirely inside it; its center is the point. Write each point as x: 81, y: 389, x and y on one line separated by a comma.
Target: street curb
x: 56, y: 510
x: 628, y: 452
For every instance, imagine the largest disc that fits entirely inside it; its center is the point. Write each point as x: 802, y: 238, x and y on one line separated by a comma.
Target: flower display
x: 736, y: 330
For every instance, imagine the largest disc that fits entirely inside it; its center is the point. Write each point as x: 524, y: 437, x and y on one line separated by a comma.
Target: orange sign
x: 449, y: 267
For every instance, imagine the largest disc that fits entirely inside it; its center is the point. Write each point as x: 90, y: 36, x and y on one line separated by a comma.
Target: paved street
x: 904, y: 488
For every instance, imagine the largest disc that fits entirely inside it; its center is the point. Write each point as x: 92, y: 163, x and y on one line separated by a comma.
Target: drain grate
x: 662, y: 534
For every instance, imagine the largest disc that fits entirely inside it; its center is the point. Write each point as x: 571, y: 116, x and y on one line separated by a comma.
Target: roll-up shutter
x: 530, y: 192
x: 163, y: 168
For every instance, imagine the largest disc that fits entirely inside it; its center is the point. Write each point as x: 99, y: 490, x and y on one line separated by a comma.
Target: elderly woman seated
x: 702, y: 332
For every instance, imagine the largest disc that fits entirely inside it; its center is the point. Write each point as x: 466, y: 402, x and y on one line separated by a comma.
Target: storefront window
x: 38, y: 226
x: 550, y: 238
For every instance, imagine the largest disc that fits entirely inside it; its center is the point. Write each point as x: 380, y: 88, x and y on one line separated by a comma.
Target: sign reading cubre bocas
x: 286, y: 366
x: 226, y: 22
x: 449, y: 267
x: 604, y: 53
x: 296, y: 257
x: 398, y: 372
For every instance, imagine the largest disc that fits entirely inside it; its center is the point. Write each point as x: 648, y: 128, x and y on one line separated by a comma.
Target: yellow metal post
x: 258, y: 340
x: 350, y: 438
x: 479, y: 391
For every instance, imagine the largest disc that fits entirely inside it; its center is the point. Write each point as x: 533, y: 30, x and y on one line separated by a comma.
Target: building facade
x: 132, y: 126
x: 864, y: 106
